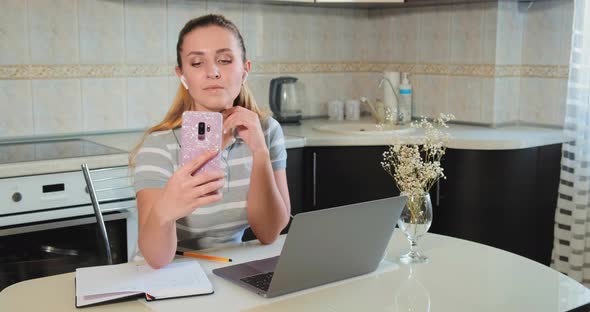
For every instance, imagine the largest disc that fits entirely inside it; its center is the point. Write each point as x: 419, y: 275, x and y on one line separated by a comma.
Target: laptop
x: 322, y: 246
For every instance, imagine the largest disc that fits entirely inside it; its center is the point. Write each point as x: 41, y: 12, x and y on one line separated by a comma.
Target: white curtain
x: 571, y: 245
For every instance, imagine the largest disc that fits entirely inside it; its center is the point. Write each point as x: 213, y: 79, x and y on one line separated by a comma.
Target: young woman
x: 213, y: 208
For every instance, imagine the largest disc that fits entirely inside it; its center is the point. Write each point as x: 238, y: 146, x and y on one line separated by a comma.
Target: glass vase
x: 415, y: 221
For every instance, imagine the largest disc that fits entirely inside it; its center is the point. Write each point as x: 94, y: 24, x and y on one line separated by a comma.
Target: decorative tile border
x: 83, y: 71
x: 125, y: 70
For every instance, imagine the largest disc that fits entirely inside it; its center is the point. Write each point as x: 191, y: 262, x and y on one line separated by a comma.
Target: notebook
x: 101, y: 284
x: 322, y: 246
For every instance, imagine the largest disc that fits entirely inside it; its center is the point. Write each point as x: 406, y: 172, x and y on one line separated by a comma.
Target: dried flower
x: 416, y: 167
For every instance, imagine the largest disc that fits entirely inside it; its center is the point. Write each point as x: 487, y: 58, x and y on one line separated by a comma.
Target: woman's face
x: 213, y: 68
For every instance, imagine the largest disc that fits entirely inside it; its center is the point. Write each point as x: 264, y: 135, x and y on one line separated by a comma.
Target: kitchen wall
x: 70, y: 66
x: 492, y: 63
x: 77, y: 66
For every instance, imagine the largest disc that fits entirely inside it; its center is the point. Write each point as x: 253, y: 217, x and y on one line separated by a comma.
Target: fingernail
x: 224, y: 131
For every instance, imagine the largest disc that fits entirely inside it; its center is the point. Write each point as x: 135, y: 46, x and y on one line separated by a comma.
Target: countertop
x: 304, y: 135
x: 462, y: 136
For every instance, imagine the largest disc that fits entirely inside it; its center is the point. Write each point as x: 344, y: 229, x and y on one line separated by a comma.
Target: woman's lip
x: 214, y: 88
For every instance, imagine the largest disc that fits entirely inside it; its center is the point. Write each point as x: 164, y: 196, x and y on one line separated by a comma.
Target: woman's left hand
x: 247, y: 124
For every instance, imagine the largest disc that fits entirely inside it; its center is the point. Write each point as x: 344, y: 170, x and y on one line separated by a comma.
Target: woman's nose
x: 212, y: 71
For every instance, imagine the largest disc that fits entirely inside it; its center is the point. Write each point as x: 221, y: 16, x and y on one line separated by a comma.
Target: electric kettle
x: 283, y: 100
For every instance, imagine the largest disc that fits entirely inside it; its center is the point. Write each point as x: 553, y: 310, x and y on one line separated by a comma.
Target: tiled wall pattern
x: 85, y: 65
x: 526, y: 48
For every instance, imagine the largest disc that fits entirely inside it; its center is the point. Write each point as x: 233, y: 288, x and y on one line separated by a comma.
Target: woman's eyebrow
x: 223, y: 50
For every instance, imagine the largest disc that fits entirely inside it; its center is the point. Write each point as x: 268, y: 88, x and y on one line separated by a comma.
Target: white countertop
x: 463, y: 137
x: 460, y: 276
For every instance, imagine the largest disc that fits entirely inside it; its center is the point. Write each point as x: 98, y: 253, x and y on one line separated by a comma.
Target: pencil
x: 202, y: 256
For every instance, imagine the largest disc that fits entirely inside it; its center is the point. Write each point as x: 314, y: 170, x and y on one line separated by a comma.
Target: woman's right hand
x: 184, y: 192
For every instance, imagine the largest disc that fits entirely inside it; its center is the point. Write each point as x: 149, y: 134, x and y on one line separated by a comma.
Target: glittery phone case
x: 195, y: 142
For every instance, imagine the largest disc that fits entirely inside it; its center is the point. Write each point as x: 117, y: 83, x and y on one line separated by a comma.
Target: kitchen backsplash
x: 71, y: 66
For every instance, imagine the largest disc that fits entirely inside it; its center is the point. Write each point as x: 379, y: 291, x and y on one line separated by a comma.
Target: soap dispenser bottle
x: 405, y: 99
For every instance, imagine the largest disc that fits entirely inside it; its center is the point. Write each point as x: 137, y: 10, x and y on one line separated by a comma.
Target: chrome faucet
x: 399, y: 115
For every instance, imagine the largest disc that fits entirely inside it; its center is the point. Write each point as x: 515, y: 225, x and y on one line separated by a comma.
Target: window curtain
x: 571, y: 246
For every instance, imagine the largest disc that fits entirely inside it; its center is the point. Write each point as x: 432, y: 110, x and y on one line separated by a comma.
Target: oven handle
x: 122, y: 214
x: 117, y: 209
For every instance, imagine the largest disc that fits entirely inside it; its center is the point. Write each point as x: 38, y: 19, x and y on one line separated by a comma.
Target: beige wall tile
x: 231, y: 10
x: 147, y: 101
x: 365, y: 84
x: 145, y: 32
x: 101, y: 32
x: 14, y: 35
x: 380, y: 37
x: 434, y: 40
x: 487, y: 101
x: 464, y: 98
x: 172, y: 88
x: 567, y: 10
x: 490, y: 21
x: 259, y: 85
x: 260, y: 32
x: 507, y: 99
x: 430, y: 95
x: 57, y: 106
x: 356, y: 35
x: 16, y: 105
x: 53, y: 31
x: 322, y: 36
x: 404, y: 29
x: 467, y: 34
x: 318, y: 89
x: 179, y: 12
x: 346, y: 26
x: 542, y: 34
x: 542, y: 101
x: 510, y: 30
x: 103, y: 104
x: 310, y: 93
x: 290, y: 35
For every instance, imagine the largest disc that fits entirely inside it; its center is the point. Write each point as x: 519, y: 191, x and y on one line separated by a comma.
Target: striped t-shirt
x: 223, y: 221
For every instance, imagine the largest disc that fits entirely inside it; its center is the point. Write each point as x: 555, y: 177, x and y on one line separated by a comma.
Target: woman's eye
x: 223, y: 61
x: 196, y: 64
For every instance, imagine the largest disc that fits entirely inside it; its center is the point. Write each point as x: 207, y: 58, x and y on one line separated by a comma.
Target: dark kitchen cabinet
x: 501, y: 198
x: 336, y: 176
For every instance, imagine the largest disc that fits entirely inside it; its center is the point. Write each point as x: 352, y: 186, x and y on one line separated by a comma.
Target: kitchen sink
x: 364, y: 129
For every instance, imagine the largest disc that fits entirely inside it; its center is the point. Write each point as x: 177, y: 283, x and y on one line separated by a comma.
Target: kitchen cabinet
x: 336, y: 176
x: 502, y: 198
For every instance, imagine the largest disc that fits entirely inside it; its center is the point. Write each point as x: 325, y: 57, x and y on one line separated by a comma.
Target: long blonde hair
x: 182, y: 101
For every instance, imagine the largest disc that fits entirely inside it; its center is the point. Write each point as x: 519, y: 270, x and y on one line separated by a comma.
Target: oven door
x: 41, y: 249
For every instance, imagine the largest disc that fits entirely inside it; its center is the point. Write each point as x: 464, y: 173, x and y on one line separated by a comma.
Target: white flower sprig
x: 415, y: 168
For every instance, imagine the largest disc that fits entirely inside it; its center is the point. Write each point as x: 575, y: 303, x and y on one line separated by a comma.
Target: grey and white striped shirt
x: 221, y: 222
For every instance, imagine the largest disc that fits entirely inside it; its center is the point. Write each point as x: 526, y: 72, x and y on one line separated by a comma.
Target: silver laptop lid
x: 333, y: 244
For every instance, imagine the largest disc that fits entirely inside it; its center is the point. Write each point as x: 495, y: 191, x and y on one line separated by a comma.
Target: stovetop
x: 55, y: 149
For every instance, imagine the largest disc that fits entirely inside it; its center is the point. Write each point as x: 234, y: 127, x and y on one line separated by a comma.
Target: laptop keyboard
x: 260, y: 281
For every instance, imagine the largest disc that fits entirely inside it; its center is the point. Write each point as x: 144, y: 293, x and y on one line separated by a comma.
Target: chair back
x: 107, y: 186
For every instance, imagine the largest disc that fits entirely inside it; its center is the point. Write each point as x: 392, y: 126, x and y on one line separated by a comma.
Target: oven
x: 47, y: 223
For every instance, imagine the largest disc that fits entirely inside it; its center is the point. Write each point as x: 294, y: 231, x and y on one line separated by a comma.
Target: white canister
x: 352, y: 109
x: 336, y: 110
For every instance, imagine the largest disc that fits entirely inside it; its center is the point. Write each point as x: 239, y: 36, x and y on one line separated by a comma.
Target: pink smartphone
x: 201, y: 131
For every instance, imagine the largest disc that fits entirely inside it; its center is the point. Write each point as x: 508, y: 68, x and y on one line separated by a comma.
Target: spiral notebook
x: 101, y: 284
